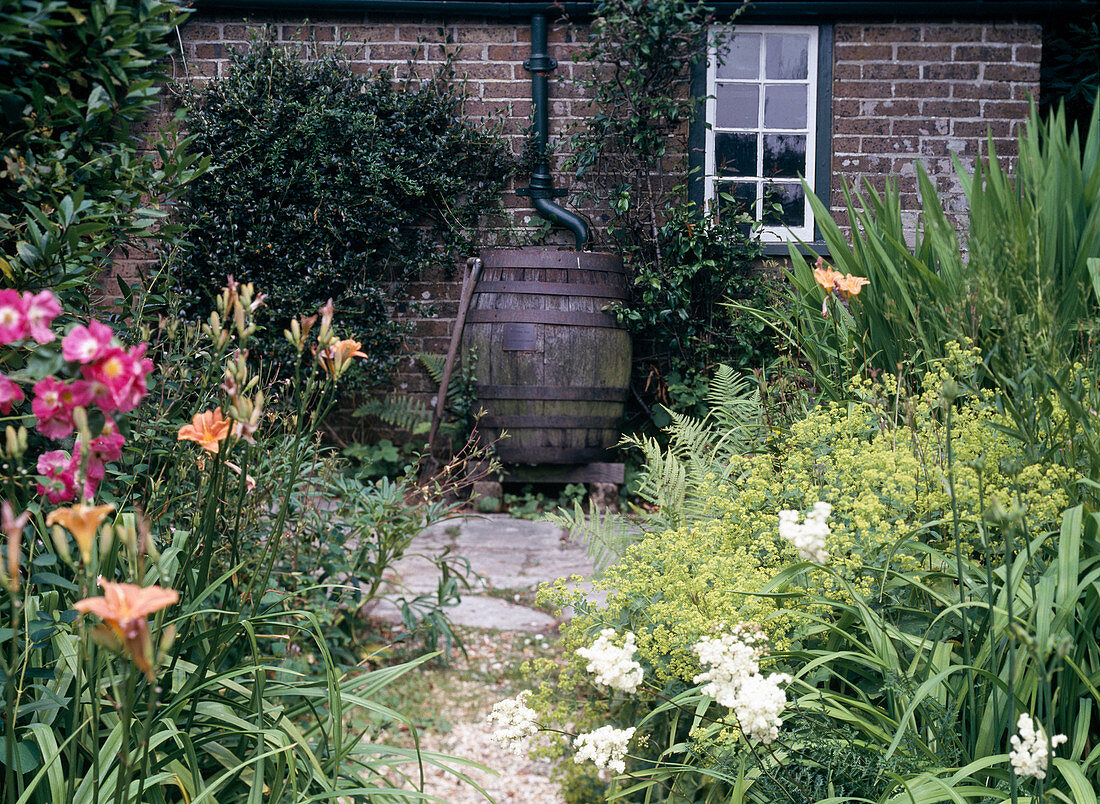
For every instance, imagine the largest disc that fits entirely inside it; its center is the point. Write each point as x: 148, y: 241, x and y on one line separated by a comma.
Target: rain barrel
x: 553, y: 368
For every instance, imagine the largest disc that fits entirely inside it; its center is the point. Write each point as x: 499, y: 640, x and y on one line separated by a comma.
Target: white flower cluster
x: 1029, y: 755
x: 514, y: 721
x: 613, y: 666
x: 734, y: 681
x: 808, y: 536
x: 606, y: 747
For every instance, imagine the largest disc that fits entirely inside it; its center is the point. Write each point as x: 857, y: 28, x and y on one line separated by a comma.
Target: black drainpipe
x: 541, y: 189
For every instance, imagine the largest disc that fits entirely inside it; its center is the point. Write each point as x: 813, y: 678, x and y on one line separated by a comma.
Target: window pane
x: 742, y: 57
x: 787, y: 56
x: 737, y: 197
x: 785, y: 106
x: 785, y: 155
x: 735, y: 154
x: 792, y: 205
x: 736, y: 105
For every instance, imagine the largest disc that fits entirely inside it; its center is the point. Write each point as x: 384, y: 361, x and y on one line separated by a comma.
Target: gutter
x: 791, y: 12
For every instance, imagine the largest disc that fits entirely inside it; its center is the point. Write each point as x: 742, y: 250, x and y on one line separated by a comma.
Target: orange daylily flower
x: 207, y: 429
x: 82, y: 521
x: 849, y: 285
x: 124, y: 608
x: 336, y: 358
x: 827, y: 277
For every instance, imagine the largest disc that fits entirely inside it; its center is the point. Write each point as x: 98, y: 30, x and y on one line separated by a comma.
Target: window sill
x: 780, y: 249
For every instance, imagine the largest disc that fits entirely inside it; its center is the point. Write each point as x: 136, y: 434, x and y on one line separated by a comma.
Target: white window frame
x: 768, y: 234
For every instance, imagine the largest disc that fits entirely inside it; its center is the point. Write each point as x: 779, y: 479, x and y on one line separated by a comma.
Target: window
x: 762, y: 131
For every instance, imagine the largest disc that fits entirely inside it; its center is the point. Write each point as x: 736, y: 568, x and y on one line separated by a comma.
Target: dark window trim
x: 823, y: 170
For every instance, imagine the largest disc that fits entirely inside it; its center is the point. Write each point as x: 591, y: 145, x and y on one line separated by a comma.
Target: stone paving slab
x: 508, y: 555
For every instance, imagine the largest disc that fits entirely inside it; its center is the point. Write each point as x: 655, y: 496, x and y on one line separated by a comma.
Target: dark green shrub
x: 78, y: 179
x: 331, y: 185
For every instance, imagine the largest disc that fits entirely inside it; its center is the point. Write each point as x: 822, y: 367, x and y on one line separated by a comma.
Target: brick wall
x: 901, y: 93
x: 909, y: 93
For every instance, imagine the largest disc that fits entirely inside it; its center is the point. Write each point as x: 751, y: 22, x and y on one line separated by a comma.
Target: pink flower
x: 13, y: 317
x: 85, y: 344
x: 10, y: 394
x: 94, y: 470
x: 107, y: 446
x: 118, y: 378
x: 54, y: 402
x: 56, y: 476
x: 42, y: 308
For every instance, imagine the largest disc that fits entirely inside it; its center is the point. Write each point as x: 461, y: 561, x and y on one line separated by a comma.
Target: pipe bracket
x: 540, y: 63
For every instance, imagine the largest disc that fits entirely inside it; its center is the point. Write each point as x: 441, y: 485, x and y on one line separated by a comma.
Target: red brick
x: 844, y: 106
x: 198, y: 32
x: 1009, y: 110
x: 846, y: 72
x: 1027, y: 53
x: 888, y: 145
x: 861, y: 52
x: 867, y: 89
x: 1025, y: 92
x: 952, y: 72
x: 382, y: 52
x: 513, y: 52
x: 980, y: 128
x: 952, y: 33
x: 924, y: 52
x: 982, y: 90
x: 486, y: 71
x: 879, y: 71
x: 922, y: 89
x: 318, y: 33
x: 239, y: 33
x: 368, y: 33
x: 1016, y: 34
x: 497, y: 33
x: 848, y: 33
x: 209, y: 51
x: 950, y: 108
x: 984, y: 53
x: 414, y: 33
x: 892, y: 33
x: 842, y: 144
x: 919, y: 127
x: 892, y: 107
x: 867, y: 125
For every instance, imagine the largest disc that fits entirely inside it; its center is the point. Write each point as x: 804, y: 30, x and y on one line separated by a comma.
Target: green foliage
x: 632, y: 157
x: 213, y: 705
x: 384, y: 459
x: 80, y: 178
x: 1068, y: 74
x: 1022, y: 292
x: 643, y: 52
x: 897, y: 468
x: 682, y: 330
x: 327, y: 184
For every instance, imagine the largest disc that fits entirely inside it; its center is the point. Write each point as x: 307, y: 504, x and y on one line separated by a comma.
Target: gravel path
x: 517, y: 780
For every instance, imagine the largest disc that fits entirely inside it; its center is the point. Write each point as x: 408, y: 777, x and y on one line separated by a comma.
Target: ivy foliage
x: 80, y: 176
x: 329, y: 184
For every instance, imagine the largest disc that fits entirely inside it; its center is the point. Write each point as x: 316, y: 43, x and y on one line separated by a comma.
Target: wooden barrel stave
x: 562, y: 357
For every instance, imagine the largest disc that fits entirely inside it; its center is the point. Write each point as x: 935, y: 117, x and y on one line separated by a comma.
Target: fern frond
x: 433, y: 364
x: 605, y: 533
x: 396, y: 410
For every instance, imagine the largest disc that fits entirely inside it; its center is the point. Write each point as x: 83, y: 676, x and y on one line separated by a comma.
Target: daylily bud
x: 61, y: 544
x: 15, y: 442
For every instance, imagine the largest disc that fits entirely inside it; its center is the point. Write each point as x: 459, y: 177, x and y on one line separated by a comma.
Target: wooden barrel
x: 553, y: 368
